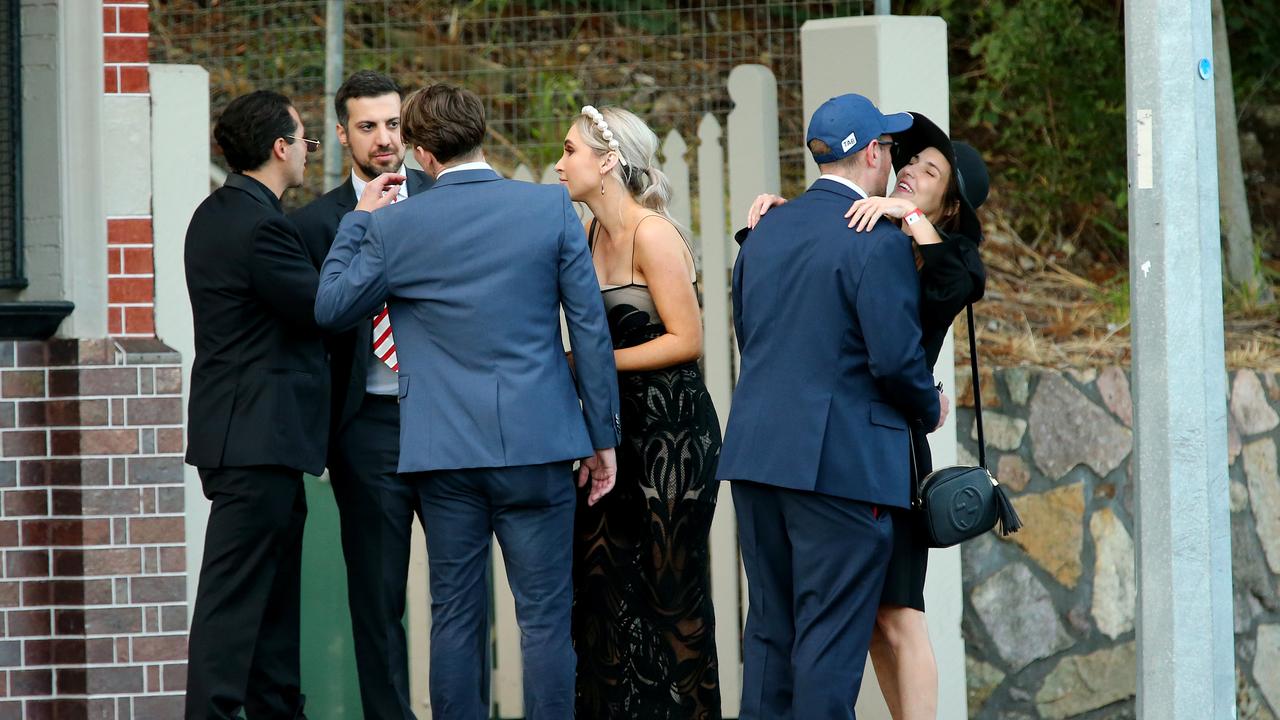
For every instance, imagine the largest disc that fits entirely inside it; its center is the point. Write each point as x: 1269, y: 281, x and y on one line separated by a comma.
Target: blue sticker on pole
x: 1206, y: 68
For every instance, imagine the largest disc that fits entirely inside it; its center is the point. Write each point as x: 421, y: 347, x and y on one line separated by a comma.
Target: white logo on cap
x: 848, y: 142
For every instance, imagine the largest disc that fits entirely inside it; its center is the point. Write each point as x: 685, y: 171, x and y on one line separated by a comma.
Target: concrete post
x: 865, y: 55
x: 179, y: 182
x: 334, y: 33
x: 1186, y: 663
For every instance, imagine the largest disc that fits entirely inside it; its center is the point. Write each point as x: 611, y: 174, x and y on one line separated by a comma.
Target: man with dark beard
x: 375, y: 505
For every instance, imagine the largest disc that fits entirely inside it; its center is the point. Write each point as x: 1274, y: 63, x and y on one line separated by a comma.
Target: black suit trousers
x: 375, y: 509
x: 244, y: 634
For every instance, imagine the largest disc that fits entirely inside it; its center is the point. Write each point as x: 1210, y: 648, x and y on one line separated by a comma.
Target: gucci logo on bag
x: 966, y: 508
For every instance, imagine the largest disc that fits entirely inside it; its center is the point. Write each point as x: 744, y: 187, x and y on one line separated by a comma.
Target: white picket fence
x: 752, y: 143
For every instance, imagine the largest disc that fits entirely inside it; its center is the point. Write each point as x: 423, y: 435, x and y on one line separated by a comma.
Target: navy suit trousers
x: 815, y: 568
x: 530, y: 510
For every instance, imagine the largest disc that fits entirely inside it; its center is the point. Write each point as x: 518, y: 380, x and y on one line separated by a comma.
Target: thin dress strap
x: 637, y: 231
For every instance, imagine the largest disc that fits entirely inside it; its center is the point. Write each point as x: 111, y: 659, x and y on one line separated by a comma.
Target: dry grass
x: 1038, y: 311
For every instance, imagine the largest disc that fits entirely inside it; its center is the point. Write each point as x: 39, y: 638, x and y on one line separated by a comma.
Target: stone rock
x: 1002, y: 432
x: 1251, y: 581
x: 1081, y: 683
x: 1020, y: 617
x: 1273, y: 387
x: 1264, y: 496
x: 1114, y: 589
x: 1113, y: 385
x: 1234, y: 443
x: 979, y: 558
x: 1084, y: 376
x: 982, y: 680
x: 1122, y: 711
x: 1012, y: 472
x: 1067, y: 430
x: 1018, y: 382
x: 1239, y: 496
x: 1078, y: 620
x: 1266, y: 664
x: 964, y: 387
x: 964, y: 457
x: 1250, y: 704
x: 1053, y: 535
x: 1249, y: 405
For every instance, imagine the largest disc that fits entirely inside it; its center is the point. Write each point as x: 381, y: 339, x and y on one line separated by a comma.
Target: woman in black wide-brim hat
x: 939, y: 186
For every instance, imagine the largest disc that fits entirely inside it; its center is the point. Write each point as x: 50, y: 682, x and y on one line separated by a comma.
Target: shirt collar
x: 255, y: 189
x: 358, y: 184
x: 477, y: 165
x: 846, y: 182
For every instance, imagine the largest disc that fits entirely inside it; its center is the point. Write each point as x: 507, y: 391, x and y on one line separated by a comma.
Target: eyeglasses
x: 312, y: 145
x: 891, y: 144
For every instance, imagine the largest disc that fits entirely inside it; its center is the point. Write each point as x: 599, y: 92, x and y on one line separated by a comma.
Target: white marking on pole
x: 1144, y: 156
x: 1146, y: 268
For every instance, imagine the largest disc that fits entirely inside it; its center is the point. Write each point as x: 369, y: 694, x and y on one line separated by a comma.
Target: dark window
x: 11, y: 272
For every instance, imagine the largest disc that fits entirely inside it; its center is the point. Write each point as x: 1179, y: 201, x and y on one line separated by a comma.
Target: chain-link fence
x: 534, y: 63
x: 10, y: 147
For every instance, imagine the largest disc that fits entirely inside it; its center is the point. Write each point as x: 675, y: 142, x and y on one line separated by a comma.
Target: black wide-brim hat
x: 966, y: 163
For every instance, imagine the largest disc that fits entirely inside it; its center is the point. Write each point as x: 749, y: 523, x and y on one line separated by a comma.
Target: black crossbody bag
x: 961, y: 502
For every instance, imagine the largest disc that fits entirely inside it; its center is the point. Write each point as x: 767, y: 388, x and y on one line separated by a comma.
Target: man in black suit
x: 257, y: 417
x: 375, y: 505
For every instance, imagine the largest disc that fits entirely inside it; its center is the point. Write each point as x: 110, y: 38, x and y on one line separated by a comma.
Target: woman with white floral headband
x: 643, y: 623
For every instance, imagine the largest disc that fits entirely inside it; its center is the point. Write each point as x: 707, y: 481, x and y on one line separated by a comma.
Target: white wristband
x: 913, y: 217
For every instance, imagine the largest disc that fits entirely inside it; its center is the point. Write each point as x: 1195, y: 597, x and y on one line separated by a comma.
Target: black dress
x: 951, y: 276
x: 643, y: 624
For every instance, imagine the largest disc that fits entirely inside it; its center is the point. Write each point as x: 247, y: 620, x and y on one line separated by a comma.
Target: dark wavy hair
x: 447, y: 121
x: 951, y: 200
x: 362, y: 84
x: 249, y: 127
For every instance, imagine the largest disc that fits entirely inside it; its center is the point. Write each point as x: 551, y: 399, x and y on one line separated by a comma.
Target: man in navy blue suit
x: 817, y: 445
x: 474, y: 272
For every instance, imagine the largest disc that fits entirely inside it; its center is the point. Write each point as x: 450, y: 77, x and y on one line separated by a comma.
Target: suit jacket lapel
x: 346, y: 198
x: 417, y: 182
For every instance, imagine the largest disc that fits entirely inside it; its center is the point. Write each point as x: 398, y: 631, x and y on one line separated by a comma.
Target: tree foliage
x: 1039, y: 88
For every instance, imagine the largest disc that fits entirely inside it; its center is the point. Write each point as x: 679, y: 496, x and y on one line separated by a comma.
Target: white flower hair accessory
x: 598, y: 120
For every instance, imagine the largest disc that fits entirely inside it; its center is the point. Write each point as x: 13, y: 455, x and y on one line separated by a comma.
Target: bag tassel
x: 1009, y: 520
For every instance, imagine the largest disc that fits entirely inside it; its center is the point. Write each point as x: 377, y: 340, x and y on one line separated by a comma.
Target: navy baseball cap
x: 847, y: 123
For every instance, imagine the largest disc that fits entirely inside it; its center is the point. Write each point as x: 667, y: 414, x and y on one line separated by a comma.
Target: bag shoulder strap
x: 977, y: 392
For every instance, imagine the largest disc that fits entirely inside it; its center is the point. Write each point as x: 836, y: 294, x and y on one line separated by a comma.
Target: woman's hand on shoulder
x: 761, y: 205
x: 864, y: 213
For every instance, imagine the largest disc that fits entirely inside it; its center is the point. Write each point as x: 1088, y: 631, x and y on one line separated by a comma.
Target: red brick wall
x: 93, y: 577
x: 130, y: 277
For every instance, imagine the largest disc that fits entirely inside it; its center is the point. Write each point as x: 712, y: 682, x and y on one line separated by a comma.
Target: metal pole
x: 882, y: 7
x: 335, y: 24
x: 1184, y: 630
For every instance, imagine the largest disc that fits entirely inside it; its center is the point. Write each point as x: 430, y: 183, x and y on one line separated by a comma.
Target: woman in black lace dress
x: 643, y: 623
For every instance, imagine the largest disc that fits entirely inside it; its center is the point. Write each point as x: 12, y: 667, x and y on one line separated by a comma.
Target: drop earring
x: 602, y: 187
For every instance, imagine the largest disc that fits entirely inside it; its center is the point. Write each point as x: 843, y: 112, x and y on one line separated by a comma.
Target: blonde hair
x: 637, y: 148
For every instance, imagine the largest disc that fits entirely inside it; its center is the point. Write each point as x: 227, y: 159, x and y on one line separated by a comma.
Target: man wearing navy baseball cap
x: 816, y: 446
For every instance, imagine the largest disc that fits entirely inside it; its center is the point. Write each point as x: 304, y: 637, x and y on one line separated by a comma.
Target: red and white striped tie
x: 384, y: 344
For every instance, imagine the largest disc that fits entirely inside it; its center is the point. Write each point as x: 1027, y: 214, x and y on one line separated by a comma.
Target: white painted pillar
x: 64, y: 221
x: 179, y: 182
x: 900, y: 63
